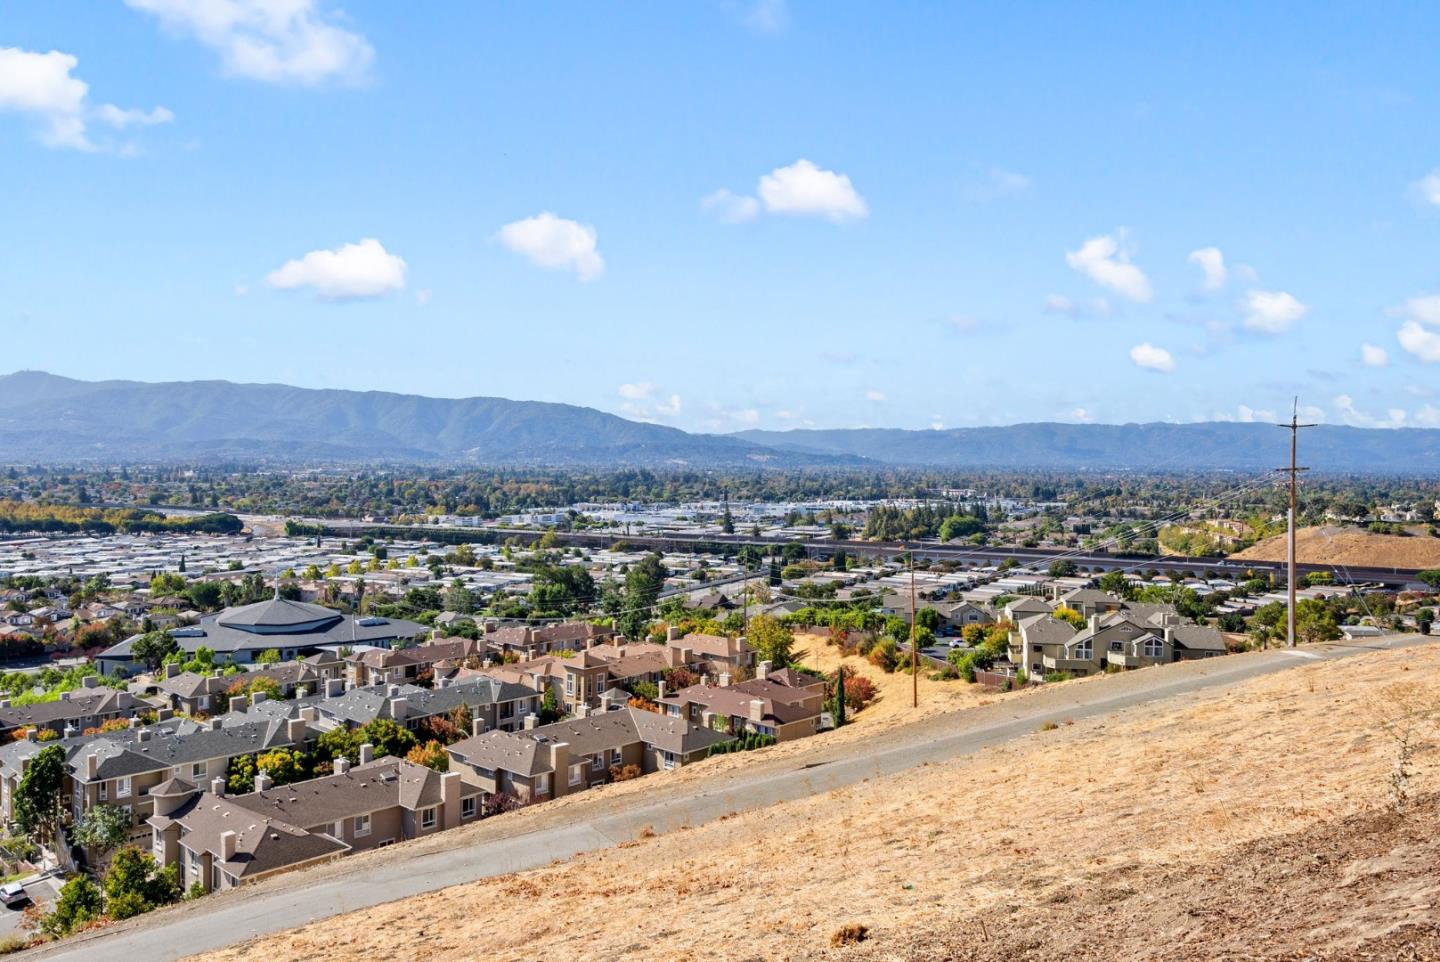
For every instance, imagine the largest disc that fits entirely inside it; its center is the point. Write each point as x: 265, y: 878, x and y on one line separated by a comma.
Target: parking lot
x: 42, y: 893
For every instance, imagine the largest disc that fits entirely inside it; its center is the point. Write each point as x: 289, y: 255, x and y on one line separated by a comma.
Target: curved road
x: 499, y: 846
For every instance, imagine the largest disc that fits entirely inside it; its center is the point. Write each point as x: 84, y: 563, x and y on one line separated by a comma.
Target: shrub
x: 1049, y: 726
x: 848, y: 935
x: 859, y: 692
x: 885, y: 655
x: 1058, y: 676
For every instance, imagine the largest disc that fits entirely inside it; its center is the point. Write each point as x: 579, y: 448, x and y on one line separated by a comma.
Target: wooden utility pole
x: 1294, y: 471
x: 914, y: 655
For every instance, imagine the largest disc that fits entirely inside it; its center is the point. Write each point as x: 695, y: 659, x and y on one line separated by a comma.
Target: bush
x: 885, y: 655
x: 859, y: 692
x: 1058, y: 676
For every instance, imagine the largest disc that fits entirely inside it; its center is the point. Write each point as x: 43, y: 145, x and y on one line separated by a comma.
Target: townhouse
x: 763, y: 705
x: 547, y: 761
x: 89, y: 706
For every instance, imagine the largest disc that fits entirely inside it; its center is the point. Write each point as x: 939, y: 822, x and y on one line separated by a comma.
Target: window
x: 669, y: 759
x: 1084, y: 650
x: 427, y: 818
x: 569, y: 684
x: 577, y: 772
x: 597, y: 761
x: 542, y: 784
x: 467, y: 807
x: 1117, y: 646
x: 615, y: 756
x: 199, y: 770
x: 362, y: 826
x: 1154, y: 648
x: 122, y: 787
x: 104, y: 791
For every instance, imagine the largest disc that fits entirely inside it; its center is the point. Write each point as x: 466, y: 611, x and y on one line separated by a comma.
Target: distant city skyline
x: 732, y: 215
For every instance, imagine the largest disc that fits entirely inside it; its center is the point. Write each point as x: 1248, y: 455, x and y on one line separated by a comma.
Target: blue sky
x: 722, y: 215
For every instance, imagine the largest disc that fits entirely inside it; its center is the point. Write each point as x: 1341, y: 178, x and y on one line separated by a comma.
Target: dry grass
x: 1349, y: 546
x: 1183, y: 781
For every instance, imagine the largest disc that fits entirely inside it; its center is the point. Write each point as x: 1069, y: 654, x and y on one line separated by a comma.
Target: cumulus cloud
x: 1372, y: 356
x: 729, y: 207
x: 43, y: 86
x: 300, y: 42
x: 1425, y: 309
x: 1428, y: 187
x: 1081, y: 414
x: 556, y: 244
x: 642, y: 402
x: 1104, y: 262
x: 804, y: 189
x: 1353, y: 416
x: 1248, y: 414
x: 1212, y: 263
x: 350, y: 272
x: 875, y: 394
x: 1271, y: 312
x: 1153, y: 358
x: 1420, y: 341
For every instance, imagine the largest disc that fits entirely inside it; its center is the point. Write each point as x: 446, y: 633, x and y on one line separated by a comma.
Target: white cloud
x: 1425, y: 309
x: 1372, y: 356
x: 768, y: 16
x: 1271, y: 312
x: 874, y: 394
x: 745, y: 416
x: 1154, y: 358
x: 1353, y: 416
x: 937, y: 422
x: 1059, y: 304
x: 1212, y: 263
x: 731, y: 208
x: 1428, y: 187
x: 1104, y: 262
x: 275, y: 41
x: 1420, y: 341
x: 805, y: 189
x: 636, y: 392
x: 1081, y: 414
x: 556, y: 244
x: 42, y: 85
x: 350, y: 272
x: 1249, y: 415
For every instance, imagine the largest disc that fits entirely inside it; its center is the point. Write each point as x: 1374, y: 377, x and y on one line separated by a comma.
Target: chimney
x: 89, y: 681
x: 227, y: 845
x: 31, y: 735
x: 92, y: 766
x: 215, y: 723
x: 164, y: 714
x: 171, y: 670
x: 295, y: 730
x: 529, y: 635
x: 263, y: 781
x: 757, y: 711
x: 1169, y: 635
x: 672, y: 633
x: 660, y: 688
x: 302, y: 691
x: 582, y: 710
x: 64, y: 696
x: 1094, y: 623
x: 124, y: 700
x: 237, y: 703
x: 217, y: 787
x: 762, y: 671
x: 398, y: 708
x: 256, y: 697
x: 443, y: 682
x: 309, y: 713
x: 560, y: 763
x: 334, y: 687
x: 531, y: 720
x: 605, y: 701
x: 143, y: 735
x: 133, y: 722
x: 672, y: 656
x: 392, y: 690
x: 725, y: 679
x: 367, y: 753
x: 71, y: 731
x: 450, y: 799
x: 342, y: 765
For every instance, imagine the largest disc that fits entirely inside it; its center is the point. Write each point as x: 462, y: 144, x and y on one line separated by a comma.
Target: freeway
x: 1096, y: 561
x: 509, y: 844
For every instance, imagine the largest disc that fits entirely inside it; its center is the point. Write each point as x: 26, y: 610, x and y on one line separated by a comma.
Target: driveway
x: 42, y: 893
x: 495, y: 848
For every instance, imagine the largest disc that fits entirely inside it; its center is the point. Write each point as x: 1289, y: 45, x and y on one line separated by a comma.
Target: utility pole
x: 914, y: 657
x: 1294, y: 471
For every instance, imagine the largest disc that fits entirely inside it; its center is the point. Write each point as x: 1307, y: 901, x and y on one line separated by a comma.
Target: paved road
x: 493, y: 848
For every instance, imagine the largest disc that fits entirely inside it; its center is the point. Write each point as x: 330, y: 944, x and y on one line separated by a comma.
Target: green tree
x: 102, y: 828
x: 1062, y: 568
x: 152, y: 647
x: 135, y: 884
x: 39, y: 803
x: 550, y: 707
x: 388, y: 737
x: 270, y: 656
x: 928, y: 619
x: 431, y: 754
x: 283, y: 765
x: 79, y: 902
x: 1315, y: 621
x: 1431, y: 577
x: 772, y: 641
x: 642, y: 589
x: 1115, y: 583
x: 240, y: 775
x: 166, y: 583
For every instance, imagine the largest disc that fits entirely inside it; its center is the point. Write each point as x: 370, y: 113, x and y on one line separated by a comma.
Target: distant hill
x: 46, y: 418
x: 1157, y: 446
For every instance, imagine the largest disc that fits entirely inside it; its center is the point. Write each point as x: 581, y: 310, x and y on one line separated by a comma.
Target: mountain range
x: 51, y: 419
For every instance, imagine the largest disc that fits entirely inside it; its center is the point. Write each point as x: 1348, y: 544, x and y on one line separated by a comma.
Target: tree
x: 270, y: 656
x: 1431, y: 576
x: 283, y: 765
x: 1115, y: 583
x: 549, y: 707
x: 240, y: 775
x: 1062, y: 568
x: 772, y: 641
x: 135, y: 884
x: 166, y: 583
x: 642, y: 589
x: 152, y: 647
x: 246, y: 685
x: 388, y: 737
x: 1068, y: 614
x: 39, y: 797
x: 102, y: 828
x: 1314, y: 621
x: 79, y: 903
x: 205, y: 595
x: 431, y: 754
x: 459, y: 598
x: 928, y: 618
x: 1424, y: 620
x: 727, y: 521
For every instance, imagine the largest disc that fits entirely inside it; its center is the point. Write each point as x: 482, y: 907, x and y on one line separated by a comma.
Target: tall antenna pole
x: 914, y: 658
x: 1294, y: 471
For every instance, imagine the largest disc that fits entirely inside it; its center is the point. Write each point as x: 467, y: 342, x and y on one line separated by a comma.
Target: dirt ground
x: 1250, y: 823
x: 1349, y: 546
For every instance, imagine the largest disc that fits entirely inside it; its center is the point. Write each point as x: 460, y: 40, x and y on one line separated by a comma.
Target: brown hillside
x: 1249, y: 823
x: 1349, y: 546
